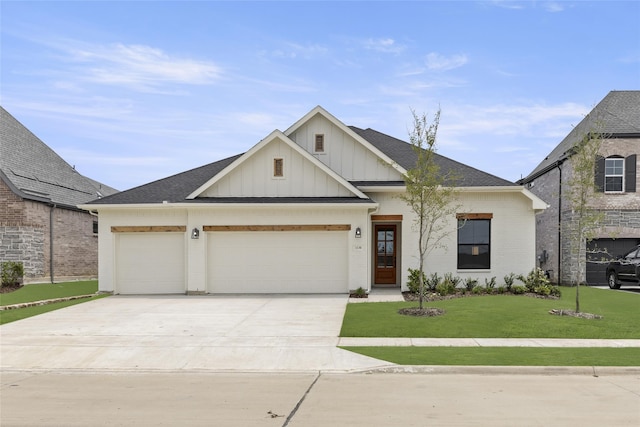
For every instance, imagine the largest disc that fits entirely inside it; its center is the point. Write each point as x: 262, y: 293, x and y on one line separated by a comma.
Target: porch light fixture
x: 358, y: 233
x: 195, y: 233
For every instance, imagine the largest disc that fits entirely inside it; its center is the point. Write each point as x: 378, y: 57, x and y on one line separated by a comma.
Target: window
x: 613, y: 175
x: 278, y: 168
x: 95, y: 227
x: 319, y: 143
x: 474, y: 243
x: 616, y: 174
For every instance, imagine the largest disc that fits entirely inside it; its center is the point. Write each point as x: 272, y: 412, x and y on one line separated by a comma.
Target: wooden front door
x: 386, y: 251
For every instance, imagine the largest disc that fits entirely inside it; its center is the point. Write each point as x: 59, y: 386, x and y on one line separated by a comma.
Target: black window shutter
x: 599, y: 175
x: 630, y: 174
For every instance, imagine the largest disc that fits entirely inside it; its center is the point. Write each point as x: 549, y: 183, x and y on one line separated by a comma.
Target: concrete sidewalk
x: 485, y: 342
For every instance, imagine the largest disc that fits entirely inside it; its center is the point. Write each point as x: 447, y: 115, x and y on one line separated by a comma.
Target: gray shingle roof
x: 176, y: 188
x: 172, y: 189
x: 402, y: 153
x: 35, y: 172
x: 617, y: 115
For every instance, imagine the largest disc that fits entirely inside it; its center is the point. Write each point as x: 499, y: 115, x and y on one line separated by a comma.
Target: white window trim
x: 604, y: 184
x: 284, y: 167
x: 324, y: 144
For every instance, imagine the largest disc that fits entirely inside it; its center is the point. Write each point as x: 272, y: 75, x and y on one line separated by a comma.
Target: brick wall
x: 621, y: 212
x: 25, y: 236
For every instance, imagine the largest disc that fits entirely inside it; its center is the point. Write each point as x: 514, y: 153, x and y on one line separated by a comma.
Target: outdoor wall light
x: 358, y: 233
x: 195, y: 233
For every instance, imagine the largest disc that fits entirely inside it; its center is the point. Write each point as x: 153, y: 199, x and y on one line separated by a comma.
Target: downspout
x: 559, y: 222
x: 53, y: 207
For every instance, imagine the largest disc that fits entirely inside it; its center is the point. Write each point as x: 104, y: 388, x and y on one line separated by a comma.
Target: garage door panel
x: 150, y: 263
x: 277, y: 262
x: 596, y: 269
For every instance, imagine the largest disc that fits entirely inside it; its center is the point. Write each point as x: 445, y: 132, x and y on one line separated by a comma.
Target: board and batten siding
x: 255, y: 177
x: 342, y: 153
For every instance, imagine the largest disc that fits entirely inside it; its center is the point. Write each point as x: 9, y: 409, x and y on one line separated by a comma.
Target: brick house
x: 40, y: 223
x: 617, y: 117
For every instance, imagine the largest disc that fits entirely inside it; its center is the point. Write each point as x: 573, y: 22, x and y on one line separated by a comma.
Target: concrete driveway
x: 296, y: 333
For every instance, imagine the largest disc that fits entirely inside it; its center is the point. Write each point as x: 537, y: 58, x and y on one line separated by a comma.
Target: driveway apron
x: 262, y: 333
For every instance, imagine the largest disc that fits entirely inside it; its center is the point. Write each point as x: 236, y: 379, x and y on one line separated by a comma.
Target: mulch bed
x: 9, y: 288
x: 422, y: 312
x: 432, y: 311
x: 572, y: 313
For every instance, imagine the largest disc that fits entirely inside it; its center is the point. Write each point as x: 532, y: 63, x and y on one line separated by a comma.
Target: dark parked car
x: 625, y: 270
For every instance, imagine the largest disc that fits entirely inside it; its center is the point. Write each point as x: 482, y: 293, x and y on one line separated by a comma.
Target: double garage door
x: 237, y: 262
x: 600, y: 251
x: 277, y: 262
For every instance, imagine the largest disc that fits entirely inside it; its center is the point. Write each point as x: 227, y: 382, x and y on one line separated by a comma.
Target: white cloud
x: 553, y: 6
x: 438, y: 62
x: 296, y: 50
x: 138, y: 66
x: 386, y: 45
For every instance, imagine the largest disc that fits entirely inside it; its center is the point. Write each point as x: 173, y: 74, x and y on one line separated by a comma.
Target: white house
x: 312, y: 209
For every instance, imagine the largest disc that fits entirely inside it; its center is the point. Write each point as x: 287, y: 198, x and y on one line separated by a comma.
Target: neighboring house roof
x: 35, y: 172
x: 616, y: 116
x: 184, y: 187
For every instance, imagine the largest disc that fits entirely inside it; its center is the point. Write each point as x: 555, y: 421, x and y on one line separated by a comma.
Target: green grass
x: 45, y: 291
x: 503, y: 356
x: 502, y: 316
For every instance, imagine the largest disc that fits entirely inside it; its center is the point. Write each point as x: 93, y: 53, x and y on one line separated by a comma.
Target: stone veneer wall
x: 622, y: 212
x: 25, y: 236
x: 24, y: 244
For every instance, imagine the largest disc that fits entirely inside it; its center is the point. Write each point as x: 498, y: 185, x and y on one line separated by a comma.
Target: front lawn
x: 503, y: 356
x: 502, y: 316
x: 45, y: 291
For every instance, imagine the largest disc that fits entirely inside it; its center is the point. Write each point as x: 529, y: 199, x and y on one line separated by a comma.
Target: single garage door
x: 277, y: 262
x: 150, y: 263
x: 600, y: 251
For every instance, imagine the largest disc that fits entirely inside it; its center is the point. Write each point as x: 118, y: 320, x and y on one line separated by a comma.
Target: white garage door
x: 150, y: 263
x: 277, y: 262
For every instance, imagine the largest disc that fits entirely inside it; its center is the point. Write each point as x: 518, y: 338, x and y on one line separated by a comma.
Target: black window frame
x: 467, y: 249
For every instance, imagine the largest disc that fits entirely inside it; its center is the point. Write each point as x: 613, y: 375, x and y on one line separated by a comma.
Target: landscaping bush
x: 433, y: 281
x: 478, y: 290
x: 11, y: 273
x: 518, y: 290
x: 413, y: 283
x: 470, y: 283
x: 454, y: 280
x: 490, y: 284
x: 445, y: 287
x: 508, y: 281
x: 534, y: 279
x: 501, y: 289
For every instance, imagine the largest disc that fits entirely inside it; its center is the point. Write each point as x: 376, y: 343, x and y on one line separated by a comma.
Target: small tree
x: 584, y: 220
x: 429, y: 193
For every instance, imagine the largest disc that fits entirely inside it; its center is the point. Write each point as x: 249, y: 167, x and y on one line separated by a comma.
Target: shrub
x: 445, y: 287
x: 11, y: 273
x: 508, y: 281
x: 433, y: 281
x: 413, y: 283
x: 542, y: 290
x: 359, y: 293
x: 555, y: 291
x: 518, y: 290
x: 490, y: 284
x: 470, y: 283
x: 535, y: 278
x: 501, y: 289
x: 478, y: 290
x: 454, y: 280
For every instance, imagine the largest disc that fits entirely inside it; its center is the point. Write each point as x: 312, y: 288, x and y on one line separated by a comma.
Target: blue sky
x: 130, y: 92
